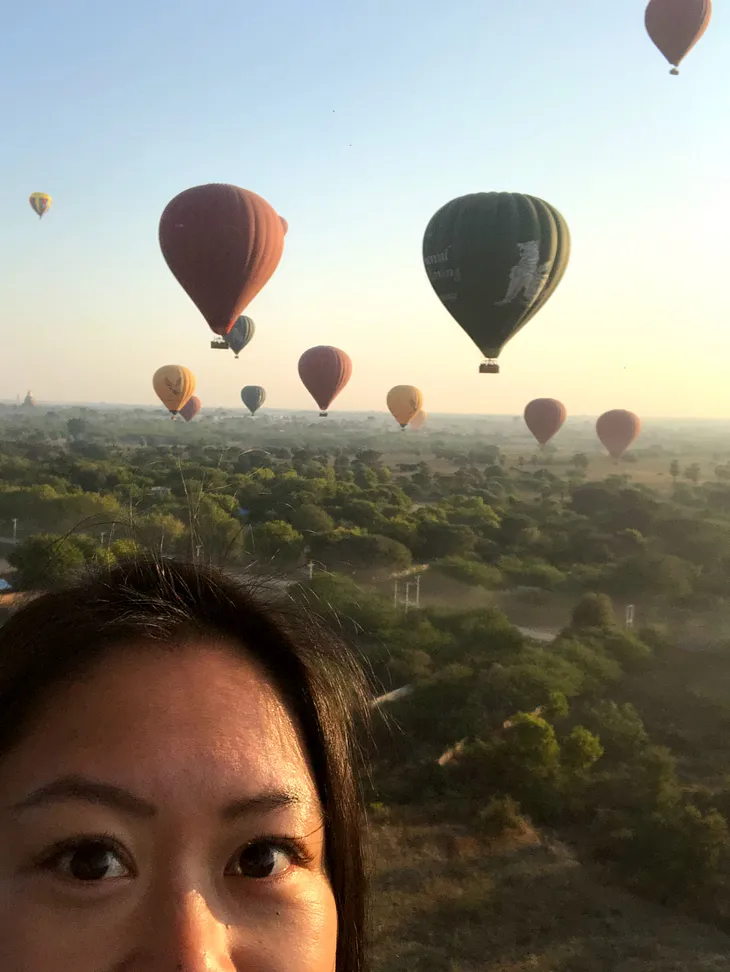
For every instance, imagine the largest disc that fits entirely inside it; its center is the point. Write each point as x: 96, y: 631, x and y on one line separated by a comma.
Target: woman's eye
x: 262, y: 859
x: 88, y: 860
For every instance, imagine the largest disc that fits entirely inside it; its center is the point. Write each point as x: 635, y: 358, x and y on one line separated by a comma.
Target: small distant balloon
x: 191, y: 408
x: 222, y: 244
x: 253, y: 397
x: 324, y: 372
x: 675, y: 26
x: 284, y: 225
x: 419, y: 419
x: 544, y: 417
x: 617, y: 430
x: 404, y: 402
x: 174, y: 385
x: 240, y: 334
x: 40, y: 203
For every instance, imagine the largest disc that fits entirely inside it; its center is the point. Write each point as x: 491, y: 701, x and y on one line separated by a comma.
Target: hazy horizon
x: 336, y: 414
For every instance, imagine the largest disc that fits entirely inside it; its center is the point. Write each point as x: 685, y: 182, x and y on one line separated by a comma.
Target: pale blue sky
x: 357, y: 122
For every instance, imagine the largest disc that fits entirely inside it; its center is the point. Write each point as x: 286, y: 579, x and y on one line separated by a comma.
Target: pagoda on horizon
x: 29, y: 400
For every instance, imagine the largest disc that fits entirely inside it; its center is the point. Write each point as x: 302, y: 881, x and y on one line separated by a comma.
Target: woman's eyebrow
x: 79, y: 788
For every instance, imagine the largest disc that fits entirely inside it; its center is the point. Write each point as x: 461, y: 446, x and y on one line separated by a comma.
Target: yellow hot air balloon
x: 40, y: 202
x: 174, y: 385
x: 404, y: 401
x: 419, y: 420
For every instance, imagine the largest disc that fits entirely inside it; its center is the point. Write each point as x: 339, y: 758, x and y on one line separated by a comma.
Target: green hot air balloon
x: 253, y: 397
x: 494, y: 259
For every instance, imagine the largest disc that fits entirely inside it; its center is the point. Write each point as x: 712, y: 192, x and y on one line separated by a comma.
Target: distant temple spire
x: 29, y: 400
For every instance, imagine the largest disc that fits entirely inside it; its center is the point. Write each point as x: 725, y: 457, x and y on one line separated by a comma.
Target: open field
x: 447, y: 903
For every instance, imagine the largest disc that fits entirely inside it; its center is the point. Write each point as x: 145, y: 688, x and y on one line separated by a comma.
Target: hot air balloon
x: 404, y: 401
x: 494, y: 259
x: 191, y: 408
x: 418, y: 420
x: 40, y: 202
x: 174, y: 385
x: 253, y: 397
x: 544, y: 417
x: 240, y: 334
x: 324, y: 371
x: 617, y: 429
x: 222, y: 244
x: 675, y: 26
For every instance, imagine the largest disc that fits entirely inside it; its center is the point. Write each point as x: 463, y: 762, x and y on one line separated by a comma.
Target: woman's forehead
x: 200, y: 718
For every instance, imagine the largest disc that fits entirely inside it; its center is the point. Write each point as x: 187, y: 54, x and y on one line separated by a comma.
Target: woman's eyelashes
x: 100, y: 858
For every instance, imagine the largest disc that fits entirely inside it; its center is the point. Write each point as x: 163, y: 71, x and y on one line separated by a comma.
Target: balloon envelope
x: 404, y: 401
x: 675, y: 26
x: 40, y: 202
x: 617, y: 429
x: 494, y: 260
x: 240, y: 334
x: 544, y: 417
x: 174, y: 385
x: 191, y: 408
x: 222, y: 243
x: 253, y: 397
x: 324, y: 372
x: 419, y: 419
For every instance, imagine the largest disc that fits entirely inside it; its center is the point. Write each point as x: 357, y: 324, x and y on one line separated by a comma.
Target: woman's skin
x: 146, y: 822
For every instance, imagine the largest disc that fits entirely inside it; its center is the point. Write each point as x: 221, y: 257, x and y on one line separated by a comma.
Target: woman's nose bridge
x: 192, y: 937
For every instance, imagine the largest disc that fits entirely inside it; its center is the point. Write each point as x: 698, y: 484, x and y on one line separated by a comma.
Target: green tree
x: 593, y: 611
x: 309, y: 518
x: 160, y: 533
x: 437, y: 539
x: 277, y: 542
x: 674, y: 470
x: 580, y: 750
x: 45, y: 561
x: 693, y: 472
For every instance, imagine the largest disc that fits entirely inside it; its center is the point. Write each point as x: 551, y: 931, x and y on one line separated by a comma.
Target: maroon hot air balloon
x: 617, y: 429
x: 544, y: 417
x: 675, y: 26
x: 222, y: 244
x: 324, y: 372
x: 191, y: 408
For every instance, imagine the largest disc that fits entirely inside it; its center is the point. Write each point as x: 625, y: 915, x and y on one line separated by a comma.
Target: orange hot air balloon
x: 324, y: 371
x: 404, y: 402
x: 222, y: 244
x: 191, y: 408
x: 419, y: 419
x: 617, y: 429
x: 675, y: 26
x: 174, y: 385
x: 544, y: 417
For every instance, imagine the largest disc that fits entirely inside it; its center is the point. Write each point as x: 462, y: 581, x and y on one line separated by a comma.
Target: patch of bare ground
x: 445, y: 900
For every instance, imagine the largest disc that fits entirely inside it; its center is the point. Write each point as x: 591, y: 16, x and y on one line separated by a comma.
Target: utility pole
x: 630, y: 615
x: 418, y: 590
x: 311, y: 569
x: 395, y: 594
x: 15, y: 528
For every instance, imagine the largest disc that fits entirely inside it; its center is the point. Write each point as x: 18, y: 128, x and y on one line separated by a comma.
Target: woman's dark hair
x: 60, y: 635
